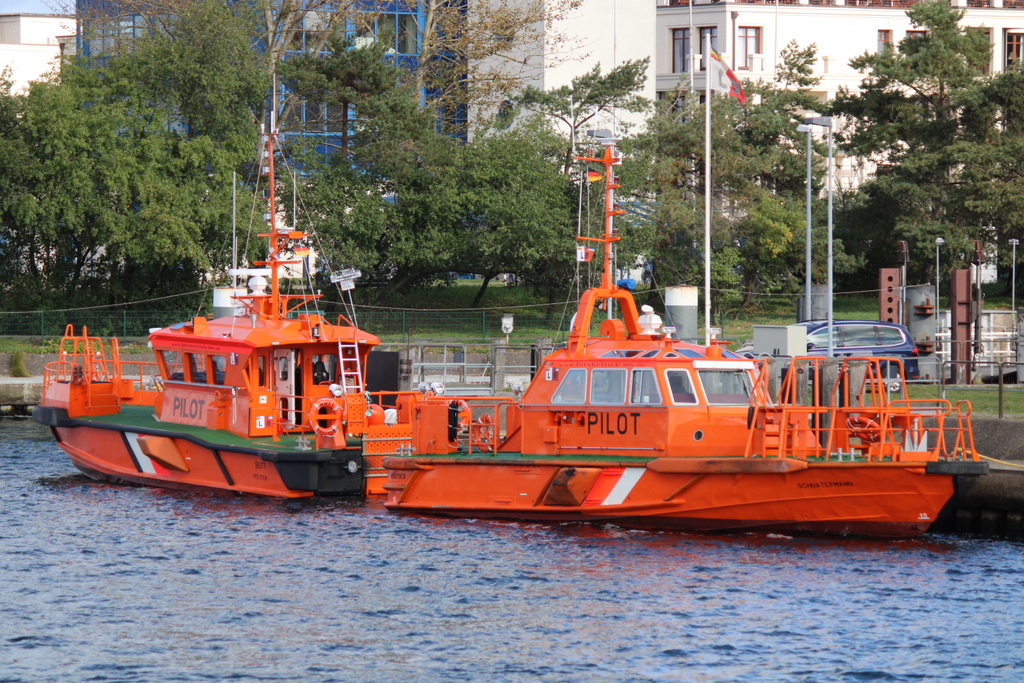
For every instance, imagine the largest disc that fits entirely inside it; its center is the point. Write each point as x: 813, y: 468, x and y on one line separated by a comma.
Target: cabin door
x: 286, y: 385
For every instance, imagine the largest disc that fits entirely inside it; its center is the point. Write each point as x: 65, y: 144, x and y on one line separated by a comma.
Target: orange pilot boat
x: 269, y: 400
x: 633, y: 428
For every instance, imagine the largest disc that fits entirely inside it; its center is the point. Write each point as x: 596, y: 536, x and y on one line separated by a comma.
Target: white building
x: 750, y: 35
x: 31, y: 44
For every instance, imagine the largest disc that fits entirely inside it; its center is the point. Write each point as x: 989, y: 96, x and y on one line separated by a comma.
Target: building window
x: 884, y: 41
x: 402, y: 29
x: 917, y: 34
x: 706, y: 33
x: 1014, y: 47
x: 748, y: 44
x: 680, y: 50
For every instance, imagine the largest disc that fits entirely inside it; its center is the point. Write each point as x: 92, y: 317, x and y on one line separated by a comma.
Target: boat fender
x: 863, y: 427
x: 750, y: 416
x: 325, y: 416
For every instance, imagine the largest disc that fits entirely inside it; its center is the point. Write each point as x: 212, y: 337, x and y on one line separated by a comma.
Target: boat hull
x: 892, y: 500
x: 160, y: 457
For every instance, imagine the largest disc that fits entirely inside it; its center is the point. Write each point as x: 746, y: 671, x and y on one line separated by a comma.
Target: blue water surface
x: 114, y: 583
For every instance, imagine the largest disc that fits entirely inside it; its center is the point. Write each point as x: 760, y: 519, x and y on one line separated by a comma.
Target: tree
x: 758, y: 170
x: 922, y: 119
x: 589, y: 95
x: 368, y: 91
x: 495, y: 205
x: 106, y: 195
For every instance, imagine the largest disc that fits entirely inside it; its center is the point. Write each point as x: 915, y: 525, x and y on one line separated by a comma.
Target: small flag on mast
x: 594, y: 176
x: 724, y: 80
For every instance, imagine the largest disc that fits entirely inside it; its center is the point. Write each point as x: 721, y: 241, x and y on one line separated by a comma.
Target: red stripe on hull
x: 103, y: 454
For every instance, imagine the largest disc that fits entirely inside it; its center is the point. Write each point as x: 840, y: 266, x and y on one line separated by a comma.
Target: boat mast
x: 275, y: 306
x: 608, y: 292
x: 608, y: 160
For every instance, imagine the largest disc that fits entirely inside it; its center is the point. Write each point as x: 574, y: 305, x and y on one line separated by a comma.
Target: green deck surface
x: 140, y: 418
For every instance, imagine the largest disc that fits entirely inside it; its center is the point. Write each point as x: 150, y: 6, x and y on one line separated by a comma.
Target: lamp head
x: 939, y: 241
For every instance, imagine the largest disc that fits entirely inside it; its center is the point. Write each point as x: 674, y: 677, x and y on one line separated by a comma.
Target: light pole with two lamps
x: 938, y: 243
x: 826, y: 122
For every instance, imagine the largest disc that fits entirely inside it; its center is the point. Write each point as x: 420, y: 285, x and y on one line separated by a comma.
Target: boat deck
x: 140, y: 418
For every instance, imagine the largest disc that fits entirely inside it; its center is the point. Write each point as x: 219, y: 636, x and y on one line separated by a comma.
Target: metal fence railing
x: 471, y: 326
x: 51, y: 324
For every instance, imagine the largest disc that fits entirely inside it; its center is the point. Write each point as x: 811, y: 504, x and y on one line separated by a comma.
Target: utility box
x: 780, y: 340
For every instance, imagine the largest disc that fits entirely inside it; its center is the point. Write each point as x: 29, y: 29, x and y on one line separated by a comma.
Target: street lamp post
x: 1013, y: 278
x: 826, y: 122
x: 938, y: 243
x: 808, y: 309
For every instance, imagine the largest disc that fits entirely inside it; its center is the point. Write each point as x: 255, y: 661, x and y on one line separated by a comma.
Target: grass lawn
x: 984, y: 398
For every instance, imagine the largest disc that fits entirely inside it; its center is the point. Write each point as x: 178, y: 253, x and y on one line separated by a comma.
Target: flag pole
x: 707, y: 192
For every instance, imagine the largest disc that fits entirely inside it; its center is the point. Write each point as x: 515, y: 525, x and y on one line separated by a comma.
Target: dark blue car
x: 864, y: 338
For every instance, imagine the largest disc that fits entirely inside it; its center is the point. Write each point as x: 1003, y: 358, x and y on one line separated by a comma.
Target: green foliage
x: 378, y: 115
x: 113, y: 179
x: 759, y: 174
x: 589, y: 95
x: 922, y: 115
x: 796, y: 68
x: 18, y: 367
x: 497, y: 204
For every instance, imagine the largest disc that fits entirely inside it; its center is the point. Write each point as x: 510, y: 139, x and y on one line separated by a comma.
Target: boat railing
x: 469, y: 424
x: 836, y: 409
x: 140, y: 374
x: 78, y: 368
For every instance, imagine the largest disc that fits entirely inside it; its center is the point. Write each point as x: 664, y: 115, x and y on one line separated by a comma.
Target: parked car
x: 864, y: 338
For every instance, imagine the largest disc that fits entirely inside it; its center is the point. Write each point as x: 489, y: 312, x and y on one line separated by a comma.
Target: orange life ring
x: 863, y: 427
x: 325, y: 416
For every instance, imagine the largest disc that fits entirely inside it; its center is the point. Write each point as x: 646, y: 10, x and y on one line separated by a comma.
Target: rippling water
x: 114, y: 583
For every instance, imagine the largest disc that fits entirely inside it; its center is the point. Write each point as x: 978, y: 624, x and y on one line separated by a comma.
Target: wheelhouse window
x: 680, y: 50
x: 196, y: 368
x: 219, y: 364
x: 174, y: 369
x: 748, y: 44
x: 681, y: 387
x: 608, y: 386
x: 325, y: 369
x: 261, y: 369
x: 644, y: 389
x: 573, y: 388
x: 725, y: 387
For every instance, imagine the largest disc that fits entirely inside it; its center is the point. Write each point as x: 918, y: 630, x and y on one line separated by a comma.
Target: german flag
x: 594, y: 176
